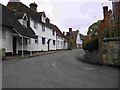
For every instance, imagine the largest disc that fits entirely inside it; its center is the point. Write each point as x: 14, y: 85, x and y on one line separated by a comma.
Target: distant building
x: 73, y: 38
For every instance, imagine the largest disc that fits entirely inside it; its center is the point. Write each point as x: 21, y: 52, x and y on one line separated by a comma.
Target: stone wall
x: 111, y: 51
x: 93, y: 56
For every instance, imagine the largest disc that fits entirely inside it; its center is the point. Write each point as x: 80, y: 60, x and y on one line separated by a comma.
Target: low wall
x: 92, y: 56
x: 111, y: 51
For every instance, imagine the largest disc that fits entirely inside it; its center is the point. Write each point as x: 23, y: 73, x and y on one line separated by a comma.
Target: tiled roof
x: 42, y: 13
x: 58, y: 32
x: 72, y: 34
x: 20, y: 8
x: 9, y: 19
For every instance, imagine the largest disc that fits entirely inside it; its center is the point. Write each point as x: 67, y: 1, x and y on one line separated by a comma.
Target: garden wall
x: 93, y: 56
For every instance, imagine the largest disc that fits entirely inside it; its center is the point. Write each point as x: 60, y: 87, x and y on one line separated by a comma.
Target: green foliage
x: 106, y: 33
x: 91, y: 44
x: 94, y: 27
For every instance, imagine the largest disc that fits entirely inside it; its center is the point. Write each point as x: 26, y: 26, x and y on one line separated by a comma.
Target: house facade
x: 73, y: 38
x: 60, y: 39
x: 24, y: 30
x: 14, y: 35
x: 37, y: 20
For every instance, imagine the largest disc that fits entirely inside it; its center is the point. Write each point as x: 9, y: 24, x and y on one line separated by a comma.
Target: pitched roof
x: 72, y: 34
x: 20, y: 8
x: 9, y: 19
x: 42, y: 13
x: 58, y: 32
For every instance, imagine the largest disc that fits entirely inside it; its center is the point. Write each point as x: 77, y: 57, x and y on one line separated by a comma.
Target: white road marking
x: 53, y: 64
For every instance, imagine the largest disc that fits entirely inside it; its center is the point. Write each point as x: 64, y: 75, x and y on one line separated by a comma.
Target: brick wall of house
x: 104, y: 24
x: 116, y: 9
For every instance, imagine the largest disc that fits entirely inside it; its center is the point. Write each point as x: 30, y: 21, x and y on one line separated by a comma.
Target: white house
x: 60, y: 39
x: 13, y: 33
x: 37, y: 21
x: 79, y: 41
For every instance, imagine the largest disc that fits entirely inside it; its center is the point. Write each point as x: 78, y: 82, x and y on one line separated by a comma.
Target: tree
x: 93, y: 29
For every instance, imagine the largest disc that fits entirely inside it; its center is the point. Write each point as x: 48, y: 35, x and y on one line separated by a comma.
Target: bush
x: 91, y: 44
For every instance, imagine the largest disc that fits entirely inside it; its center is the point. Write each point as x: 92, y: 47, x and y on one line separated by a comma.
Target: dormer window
x: 25, y: 19
x: 35, y: 24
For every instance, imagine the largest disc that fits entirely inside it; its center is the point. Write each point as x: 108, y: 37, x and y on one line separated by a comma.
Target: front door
x: 14, y: 45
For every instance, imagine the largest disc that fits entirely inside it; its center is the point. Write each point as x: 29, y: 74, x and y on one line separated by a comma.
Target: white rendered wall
x: 60, y: 45
x: 47, y: 34
x: 7, y: 42
x: 78, y: 40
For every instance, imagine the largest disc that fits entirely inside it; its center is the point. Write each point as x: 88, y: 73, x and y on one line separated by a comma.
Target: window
x: 53, y: 32
x: 43, y: 28
x: 53, y: 42
x: 25, y: 21
x: 4, y: 33
x: 24, y: 41
x: 36, y: 40
x: 35, y: 24
x: 29, y: 41
x: 43, y: 40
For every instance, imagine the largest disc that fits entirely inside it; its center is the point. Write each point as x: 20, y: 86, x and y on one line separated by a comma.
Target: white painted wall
x: 66, y: 45
x: 7, y: 42
x: 60, y: 42
x: 78, y: 40
x: 47, y: 34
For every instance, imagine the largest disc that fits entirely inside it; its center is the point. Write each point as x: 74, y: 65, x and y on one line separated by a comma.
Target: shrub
x: 91, y: 44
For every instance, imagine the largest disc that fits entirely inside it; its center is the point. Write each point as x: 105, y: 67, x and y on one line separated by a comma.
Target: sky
x: 76, y: 14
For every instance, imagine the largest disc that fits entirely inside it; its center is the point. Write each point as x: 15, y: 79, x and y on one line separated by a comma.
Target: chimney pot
x: 33, y: 6
x: 105, y: 11
x: 70, y: 29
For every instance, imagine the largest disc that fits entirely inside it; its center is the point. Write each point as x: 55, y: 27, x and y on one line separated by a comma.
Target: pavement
x: 63, y: 69
x: 19, y: 57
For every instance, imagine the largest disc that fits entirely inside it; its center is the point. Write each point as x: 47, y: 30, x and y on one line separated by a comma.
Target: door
x: 14, y: 45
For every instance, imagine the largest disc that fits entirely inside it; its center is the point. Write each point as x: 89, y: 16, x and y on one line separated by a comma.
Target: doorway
x: 14, y: 45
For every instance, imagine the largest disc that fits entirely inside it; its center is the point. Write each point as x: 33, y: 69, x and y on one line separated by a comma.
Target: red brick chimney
x: 70, y: 29
x: 105, y: 12
x: 33, y: 6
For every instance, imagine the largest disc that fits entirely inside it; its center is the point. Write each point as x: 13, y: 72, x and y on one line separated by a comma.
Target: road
x: 59, y: 70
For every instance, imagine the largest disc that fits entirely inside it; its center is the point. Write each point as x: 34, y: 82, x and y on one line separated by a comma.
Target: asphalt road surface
x: 59, y: 70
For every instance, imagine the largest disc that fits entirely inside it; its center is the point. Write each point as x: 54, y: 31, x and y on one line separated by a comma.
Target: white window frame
x: 35, y: 24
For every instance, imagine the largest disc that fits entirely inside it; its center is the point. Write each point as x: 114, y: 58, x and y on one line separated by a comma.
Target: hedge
x: 91, y: 44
